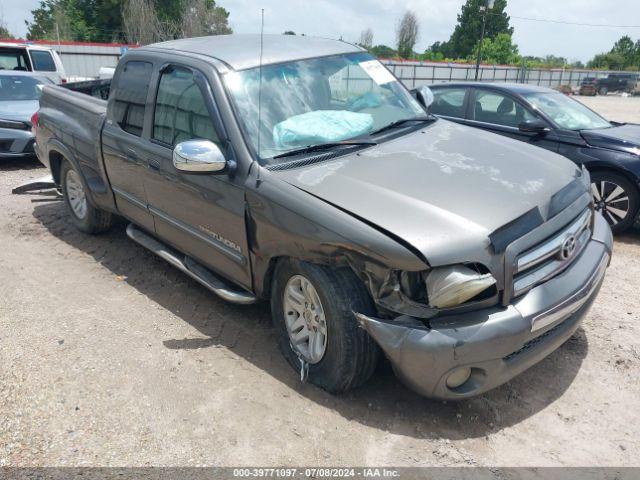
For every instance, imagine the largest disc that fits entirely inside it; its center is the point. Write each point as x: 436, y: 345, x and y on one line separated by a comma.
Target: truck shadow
x: 383, y: 403
x: 12, y: 164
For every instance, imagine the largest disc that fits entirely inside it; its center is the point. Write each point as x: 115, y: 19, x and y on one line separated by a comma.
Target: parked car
x: 32, y: 58
x: 366, y: 222
x: 617, y: 82
x: 588, y: 86
x: 543, y: 117
x: 19, y: 94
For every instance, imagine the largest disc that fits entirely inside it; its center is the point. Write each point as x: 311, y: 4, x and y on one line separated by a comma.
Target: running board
x: 192, y: 268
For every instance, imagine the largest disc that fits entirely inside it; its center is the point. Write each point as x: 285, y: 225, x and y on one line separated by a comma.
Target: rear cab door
x: 123, y: 140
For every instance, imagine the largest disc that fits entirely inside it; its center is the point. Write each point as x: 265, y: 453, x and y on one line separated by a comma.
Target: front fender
x: 284, y: 221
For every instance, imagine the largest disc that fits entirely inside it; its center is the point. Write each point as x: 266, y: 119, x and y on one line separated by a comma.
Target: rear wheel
x: 312, y: 308
x: 616, y: 198
x: 84, y: 215
x: 603, y: 90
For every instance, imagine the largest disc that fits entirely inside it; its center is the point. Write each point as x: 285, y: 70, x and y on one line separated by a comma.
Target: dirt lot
x: 108, y: 356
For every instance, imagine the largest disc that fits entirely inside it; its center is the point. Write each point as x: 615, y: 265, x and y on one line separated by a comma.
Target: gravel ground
x: 108, y: 356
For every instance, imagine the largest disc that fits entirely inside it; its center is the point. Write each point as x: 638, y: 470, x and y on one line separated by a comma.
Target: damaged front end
x: 432, y: 291
x: 449, y: 335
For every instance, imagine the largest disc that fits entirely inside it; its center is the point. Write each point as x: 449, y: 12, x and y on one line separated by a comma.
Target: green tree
x: 607, y: 61
x: 626, y: 48
x: 467, y: 32
x: 82, y: 20
x: 383, y: 51
x: 289, y: 32
x: 625, y: 55
x: 4, y: 32
x: 102, y: 20
x: 499, y: 50
x: 407, y: 34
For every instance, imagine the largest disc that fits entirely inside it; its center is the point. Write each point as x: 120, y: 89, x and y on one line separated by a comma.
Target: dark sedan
x: 19, y: 94
x: 548, y: 119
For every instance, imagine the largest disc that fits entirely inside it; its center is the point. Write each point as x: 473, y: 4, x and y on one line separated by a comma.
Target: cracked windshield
x: 317, y: 101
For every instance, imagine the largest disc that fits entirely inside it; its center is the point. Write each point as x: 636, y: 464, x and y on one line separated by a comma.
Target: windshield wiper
x: 397, y: 123
x: 322, y: 146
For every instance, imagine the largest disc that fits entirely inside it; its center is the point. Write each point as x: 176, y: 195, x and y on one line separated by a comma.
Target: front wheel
x: 616, y: 198
x: 84, y: 215
x: 312, y: 308
x: 603, y: 90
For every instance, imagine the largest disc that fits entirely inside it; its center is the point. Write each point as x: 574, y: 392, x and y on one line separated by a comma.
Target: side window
x: 13, y: 59
x: 499, y: 109
x: 130, y: 96
x: 42, y: 61
x: 180, y: 111
x: 449, y: 102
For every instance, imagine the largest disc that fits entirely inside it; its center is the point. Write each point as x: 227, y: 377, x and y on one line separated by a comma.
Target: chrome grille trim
x: 543, y: 261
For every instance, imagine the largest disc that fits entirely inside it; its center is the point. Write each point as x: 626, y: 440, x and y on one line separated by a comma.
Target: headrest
x: 506, y: 106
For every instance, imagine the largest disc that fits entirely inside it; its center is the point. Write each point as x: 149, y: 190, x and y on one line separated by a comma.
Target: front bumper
x: 496, y: 343
x: 16, y: 143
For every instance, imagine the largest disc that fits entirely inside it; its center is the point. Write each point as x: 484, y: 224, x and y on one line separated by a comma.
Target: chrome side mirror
x: 198, y: 156
x: 425, y: 96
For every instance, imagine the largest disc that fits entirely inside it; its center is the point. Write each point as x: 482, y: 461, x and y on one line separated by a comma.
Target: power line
x: 565, y: 22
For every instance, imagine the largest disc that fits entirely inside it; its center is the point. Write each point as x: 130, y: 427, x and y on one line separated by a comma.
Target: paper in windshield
x: 377, y: 72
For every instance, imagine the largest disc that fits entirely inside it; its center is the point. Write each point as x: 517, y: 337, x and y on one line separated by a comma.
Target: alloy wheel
x: 305, y: 319
x: 611, y: 200
x: 76, y: 194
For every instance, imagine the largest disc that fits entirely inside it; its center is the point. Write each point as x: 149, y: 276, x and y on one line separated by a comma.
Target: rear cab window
x: 130, y: 96
x: 42, y: 61
x: 449, y: 102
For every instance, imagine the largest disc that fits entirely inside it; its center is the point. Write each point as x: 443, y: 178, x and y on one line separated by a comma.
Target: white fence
x: 414, y: 74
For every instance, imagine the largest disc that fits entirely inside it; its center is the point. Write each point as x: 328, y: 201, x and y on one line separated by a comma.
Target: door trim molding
x: 219, y: 245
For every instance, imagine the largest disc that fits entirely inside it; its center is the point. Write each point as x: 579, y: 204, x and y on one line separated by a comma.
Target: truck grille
x: 553, y: 255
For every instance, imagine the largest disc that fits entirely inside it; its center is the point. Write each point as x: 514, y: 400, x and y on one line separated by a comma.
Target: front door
x: 200, y: 214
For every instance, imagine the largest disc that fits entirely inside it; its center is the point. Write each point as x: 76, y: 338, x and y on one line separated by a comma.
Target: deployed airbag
x: 321, y: 126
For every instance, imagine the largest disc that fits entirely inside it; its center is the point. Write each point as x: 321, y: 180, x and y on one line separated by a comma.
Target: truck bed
x: 75, y: 120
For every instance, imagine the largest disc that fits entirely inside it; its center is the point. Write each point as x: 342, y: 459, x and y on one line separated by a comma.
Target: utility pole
x: 488, y: 4
x: 58, y: 36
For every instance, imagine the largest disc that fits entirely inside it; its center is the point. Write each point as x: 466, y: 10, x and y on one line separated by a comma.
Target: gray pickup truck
x: 306, y: 174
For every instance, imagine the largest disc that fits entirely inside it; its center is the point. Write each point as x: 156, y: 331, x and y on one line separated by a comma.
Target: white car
x: 32, y: 58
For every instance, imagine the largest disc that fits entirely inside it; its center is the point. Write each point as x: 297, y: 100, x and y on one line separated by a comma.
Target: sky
x: 347, y: 18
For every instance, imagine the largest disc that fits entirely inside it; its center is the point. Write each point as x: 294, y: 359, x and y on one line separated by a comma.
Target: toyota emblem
x: 568, y: 247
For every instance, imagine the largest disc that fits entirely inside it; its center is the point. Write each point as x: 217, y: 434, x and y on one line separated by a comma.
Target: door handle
x: 131, y: 155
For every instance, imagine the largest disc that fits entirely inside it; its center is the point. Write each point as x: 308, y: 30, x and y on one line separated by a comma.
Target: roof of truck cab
x: 242, y: 51
x: 518, y: 88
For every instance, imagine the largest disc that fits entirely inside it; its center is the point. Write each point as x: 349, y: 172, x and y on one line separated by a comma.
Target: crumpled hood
x: 625, y: 138
x: 19, y: 110
x: 443, y: 189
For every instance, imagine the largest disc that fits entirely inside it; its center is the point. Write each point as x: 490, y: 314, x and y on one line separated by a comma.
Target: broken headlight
x: 454, y: 285
x: 450, y: 286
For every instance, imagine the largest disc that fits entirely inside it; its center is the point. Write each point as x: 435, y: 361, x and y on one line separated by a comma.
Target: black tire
x: 611, y: 180
x: 94, y: 220
x: 603, y: 90
x: 351, y: 355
